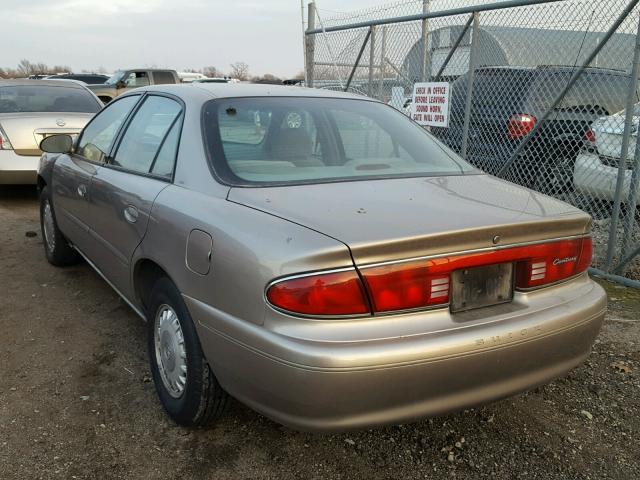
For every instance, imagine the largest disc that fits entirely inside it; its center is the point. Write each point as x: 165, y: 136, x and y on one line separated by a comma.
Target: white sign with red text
x: 430, y: 105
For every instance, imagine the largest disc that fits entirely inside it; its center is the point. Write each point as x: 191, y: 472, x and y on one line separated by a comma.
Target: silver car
x: 31, y: 110
x: 317, y: 256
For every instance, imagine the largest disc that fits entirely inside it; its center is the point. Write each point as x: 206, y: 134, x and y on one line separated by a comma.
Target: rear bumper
x: 18, y: 169
x: 593, y: 178
x: 332, y: 385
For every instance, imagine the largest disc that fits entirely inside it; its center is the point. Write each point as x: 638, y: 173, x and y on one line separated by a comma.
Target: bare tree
x: 239, y: 70
x: 212, y: 71
x: 25, y: 67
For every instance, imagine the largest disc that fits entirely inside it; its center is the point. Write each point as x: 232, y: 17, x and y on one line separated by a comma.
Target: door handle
x: 131, y: 214
x: 82, y: 190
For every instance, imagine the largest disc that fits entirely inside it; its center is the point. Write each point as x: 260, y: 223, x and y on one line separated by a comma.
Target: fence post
x: 383, y: 52
x: 635, y: 173
x: 311, y: 44
x: 472, y: 67
x: 372, y: 61
x: 622, y: 166
x: 425, y: 41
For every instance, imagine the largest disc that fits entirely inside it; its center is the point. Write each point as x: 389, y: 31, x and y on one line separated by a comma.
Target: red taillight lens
x: 406, y: 286
x: 424, y: 283
x: 590, y: 137
x: 520, y: 125
x: 553, y: 262
x: 334, y: 293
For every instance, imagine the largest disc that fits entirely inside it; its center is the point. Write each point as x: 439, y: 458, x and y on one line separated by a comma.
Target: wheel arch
x: 146, y: 273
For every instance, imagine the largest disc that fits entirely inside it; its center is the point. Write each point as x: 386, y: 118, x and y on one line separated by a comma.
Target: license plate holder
x: 481, y: 287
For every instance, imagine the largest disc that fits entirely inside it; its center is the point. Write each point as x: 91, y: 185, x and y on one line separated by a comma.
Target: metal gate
x: 543, y: 93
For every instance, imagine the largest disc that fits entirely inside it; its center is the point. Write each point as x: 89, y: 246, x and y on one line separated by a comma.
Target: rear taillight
x: 5, y: 144
x: 521, y: 125
x: 332, y: 293
x: 554, y: 262
x: 424, y: 283
x: 590, y: 137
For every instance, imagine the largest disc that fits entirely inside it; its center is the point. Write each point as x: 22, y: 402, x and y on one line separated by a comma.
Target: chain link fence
x: 543, y: 93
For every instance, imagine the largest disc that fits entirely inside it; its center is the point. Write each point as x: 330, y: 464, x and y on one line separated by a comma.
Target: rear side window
x: 31, y: 99
x: 164, y: 163
x: 146, y: 133
x: 98, y: 137
x: 163, y: 77
x: 137, y: 79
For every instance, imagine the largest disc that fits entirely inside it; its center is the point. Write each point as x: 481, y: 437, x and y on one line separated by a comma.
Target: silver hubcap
x: 49, y: 226
x: 171, y: 354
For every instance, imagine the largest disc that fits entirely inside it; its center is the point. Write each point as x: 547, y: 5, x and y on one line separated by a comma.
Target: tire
x: 56, y: 247
x: 193, y: 398
x: 555, y: 177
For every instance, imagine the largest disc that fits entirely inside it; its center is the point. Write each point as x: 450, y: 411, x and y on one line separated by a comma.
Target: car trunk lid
x: 395, y: 219
x: 25, y: 131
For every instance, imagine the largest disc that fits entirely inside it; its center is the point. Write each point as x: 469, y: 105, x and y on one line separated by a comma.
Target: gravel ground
x: 76, y: 400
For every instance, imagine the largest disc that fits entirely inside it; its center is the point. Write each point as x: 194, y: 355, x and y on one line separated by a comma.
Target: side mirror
x: 120, y: 84
x: 57, y: 144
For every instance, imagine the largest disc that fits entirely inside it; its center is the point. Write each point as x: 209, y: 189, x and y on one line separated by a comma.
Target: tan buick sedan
x: 317, y: 256
x: 31, y: 110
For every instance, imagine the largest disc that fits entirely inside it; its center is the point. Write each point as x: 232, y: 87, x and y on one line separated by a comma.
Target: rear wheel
x: 187, y: 388
x: 56, y: 247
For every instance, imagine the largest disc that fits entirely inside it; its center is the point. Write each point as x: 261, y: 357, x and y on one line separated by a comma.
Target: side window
x: 137, y: 79
x: 165, y: 161
x: 145, y: 133
x: 160, y: 78
x: 97, y: 139
x: 362, y: 137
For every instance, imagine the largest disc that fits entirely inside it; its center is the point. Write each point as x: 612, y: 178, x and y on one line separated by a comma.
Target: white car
x: 596, y: 169
x: 31, y: 110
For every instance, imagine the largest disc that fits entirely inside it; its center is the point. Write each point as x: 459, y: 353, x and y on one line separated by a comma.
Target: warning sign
x: 430, y: 105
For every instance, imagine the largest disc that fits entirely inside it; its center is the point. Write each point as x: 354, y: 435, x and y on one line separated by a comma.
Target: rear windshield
x: 270, y: 140
x: 19, y: 98
x: 495, y: 88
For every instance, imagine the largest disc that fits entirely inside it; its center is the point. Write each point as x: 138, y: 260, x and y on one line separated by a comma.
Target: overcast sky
x: 89, y: 34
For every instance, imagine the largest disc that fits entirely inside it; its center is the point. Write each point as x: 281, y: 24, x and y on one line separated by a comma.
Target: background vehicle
x: 304, y: 250
x: 125, y: 80
x: 216, y: 80
x: 31, y: 110
x: 508, y: 101
x: 188, y: 77
x: 596, y: 167
x: 88, y: 78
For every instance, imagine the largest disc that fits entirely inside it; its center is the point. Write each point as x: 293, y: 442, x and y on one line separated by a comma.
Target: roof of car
x: 234, y: 90
x: 40, y: 83
x: 552, y: 68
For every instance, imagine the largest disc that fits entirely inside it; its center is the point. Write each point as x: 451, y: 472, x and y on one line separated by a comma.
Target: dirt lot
x: 76, y: 401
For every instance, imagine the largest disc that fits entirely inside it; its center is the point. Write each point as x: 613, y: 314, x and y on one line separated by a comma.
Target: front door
x: 124, y: 189
x: 73, y: 174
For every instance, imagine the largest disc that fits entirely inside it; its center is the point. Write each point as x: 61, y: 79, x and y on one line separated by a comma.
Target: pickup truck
x: 124, y: 80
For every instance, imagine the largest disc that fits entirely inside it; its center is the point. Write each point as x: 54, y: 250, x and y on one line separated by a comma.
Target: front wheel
x: 56, y: 247
x: 187, y: 388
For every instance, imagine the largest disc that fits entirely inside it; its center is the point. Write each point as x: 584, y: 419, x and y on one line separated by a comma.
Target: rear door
x: 124, y: 189
x: 73, y: 173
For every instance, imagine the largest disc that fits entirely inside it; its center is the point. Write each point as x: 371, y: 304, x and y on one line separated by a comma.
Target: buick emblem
x: 60, y: 122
